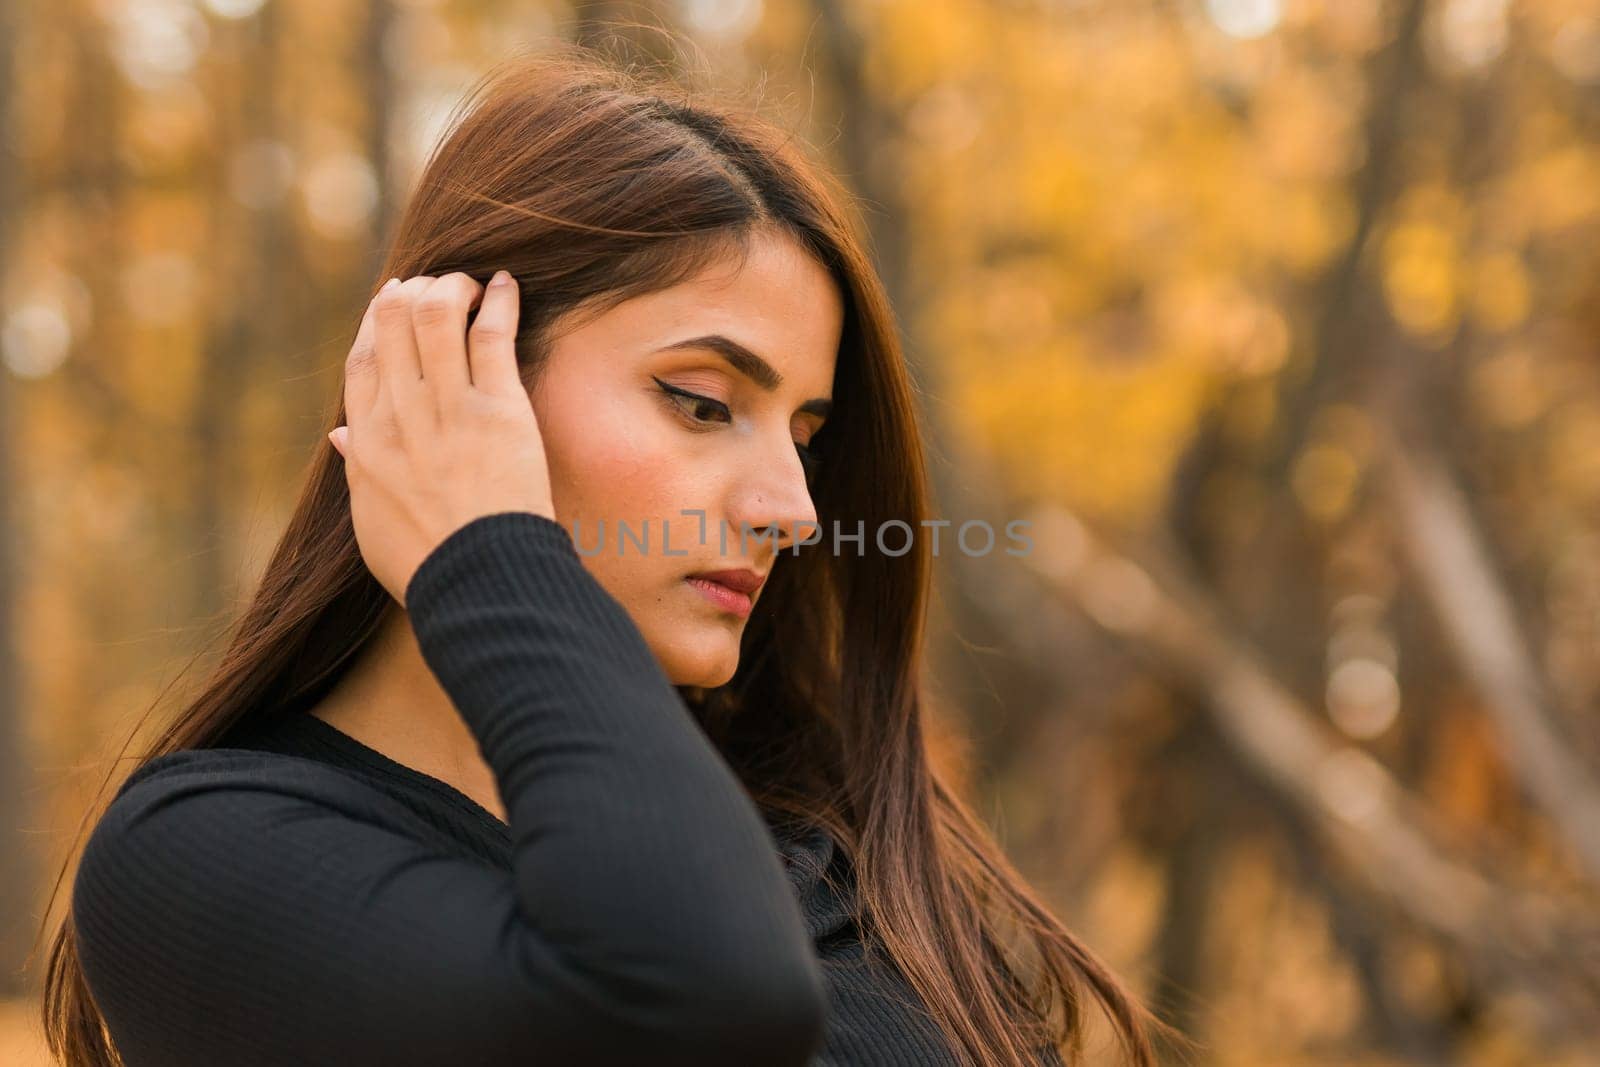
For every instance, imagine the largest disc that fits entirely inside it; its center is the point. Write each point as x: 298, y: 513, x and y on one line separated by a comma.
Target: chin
x: 706, y: 659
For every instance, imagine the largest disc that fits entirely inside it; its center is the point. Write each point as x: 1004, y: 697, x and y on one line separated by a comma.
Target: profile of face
x: 676, y: 421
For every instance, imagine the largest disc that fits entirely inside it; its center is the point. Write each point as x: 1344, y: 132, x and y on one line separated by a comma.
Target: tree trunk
x: 18, y: 864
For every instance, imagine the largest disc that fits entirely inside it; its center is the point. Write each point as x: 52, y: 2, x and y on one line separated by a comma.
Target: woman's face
x: 628, y: 457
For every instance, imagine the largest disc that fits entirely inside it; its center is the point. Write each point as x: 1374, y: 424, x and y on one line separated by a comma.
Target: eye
x: 693, y: 404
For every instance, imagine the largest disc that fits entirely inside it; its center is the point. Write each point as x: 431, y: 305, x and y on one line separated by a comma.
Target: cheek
x: 629, y: 467
x: 624, y: 460
x: 614, y: 468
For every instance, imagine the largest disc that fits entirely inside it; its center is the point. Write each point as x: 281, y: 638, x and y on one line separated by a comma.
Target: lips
x: 730, y: 591
x: 740, y: 581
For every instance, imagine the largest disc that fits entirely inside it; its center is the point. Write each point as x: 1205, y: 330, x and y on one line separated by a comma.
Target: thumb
x: 337, y: 436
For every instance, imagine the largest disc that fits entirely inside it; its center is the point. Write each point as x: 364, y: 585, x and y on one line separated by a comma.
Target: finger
x: 361, y: 367
x: 491, y: 342
x: 338, y: 436
x: 439, y: 317
x: 399, y: 366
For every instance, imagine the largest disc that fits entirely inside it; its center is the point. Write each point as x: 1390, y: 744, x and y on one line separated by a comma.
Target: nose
x: 771, y: 503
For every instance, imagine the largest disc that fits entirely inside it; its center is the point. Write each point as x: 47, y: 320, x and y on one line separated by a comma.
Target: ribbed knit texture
x: 296, y: 897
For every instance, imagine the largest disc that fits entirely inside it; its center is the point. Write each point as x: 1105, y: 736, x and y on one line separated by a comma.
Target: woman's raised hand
x: 440, y: 430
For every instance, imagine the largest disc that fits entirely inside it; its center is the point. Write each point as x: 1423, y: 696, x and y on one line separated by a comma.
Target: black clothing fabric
x: 292, y: 896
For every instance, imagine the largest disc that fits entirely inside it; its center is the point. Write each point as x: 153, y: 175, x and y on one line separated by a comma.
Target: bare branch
x: 1527, y: 939
x: 1447, y: 552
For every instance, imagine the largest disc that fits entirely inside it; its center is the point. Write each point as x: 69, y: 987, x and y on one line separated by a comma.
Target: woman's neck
x: 390, y: 701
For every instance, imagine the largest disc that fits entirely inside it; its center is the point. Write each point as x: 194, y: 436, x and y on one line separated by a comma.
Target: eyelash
x: 808, y: 456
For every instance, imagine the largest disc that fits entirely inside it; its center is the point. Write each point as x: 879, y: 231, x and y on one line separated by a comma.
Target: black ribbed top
x: 294, y: 896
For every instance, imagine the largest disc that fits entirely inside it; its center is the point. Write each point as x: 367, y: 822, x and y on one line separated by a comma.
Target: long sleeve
x: 252, y: 910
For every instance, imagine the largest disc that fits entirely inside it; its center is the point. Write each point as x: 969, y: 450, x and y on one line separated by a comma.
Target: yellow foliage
x: 1420, y: 261
x: 1502, y: 292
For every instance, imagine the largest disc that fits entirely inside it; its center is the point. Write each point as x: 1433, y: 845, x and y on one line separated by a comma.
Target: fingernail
x: 500, y: 278
x: 390, y: 284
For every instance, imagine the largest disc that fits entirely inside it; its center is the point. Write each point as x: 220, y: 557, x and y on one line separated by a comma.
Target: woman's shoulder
x: 246, y: 769
x: 176, y: 792
x: 218, y: 817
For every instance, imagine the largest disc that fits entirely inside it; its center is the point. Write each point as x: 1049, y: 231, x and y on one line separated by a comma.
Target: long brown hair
x: 592, y: 184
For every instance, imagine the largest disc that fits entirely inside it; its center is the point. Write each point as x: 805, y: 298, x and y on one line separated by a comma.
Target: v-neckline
x: 364, y: 753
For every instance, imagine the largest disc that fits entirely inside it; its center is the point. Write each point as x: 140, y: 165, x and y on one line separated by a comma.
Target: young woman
x: 562, y: 728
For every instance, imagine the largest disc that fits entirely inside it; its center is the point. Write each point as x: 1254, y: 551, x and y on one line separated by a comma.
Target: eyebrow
x: 750, y: 365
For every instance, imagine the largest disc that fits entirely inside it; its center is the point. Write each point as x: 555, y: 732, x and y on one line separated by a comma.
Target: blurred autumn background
x: 1279, y: 319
